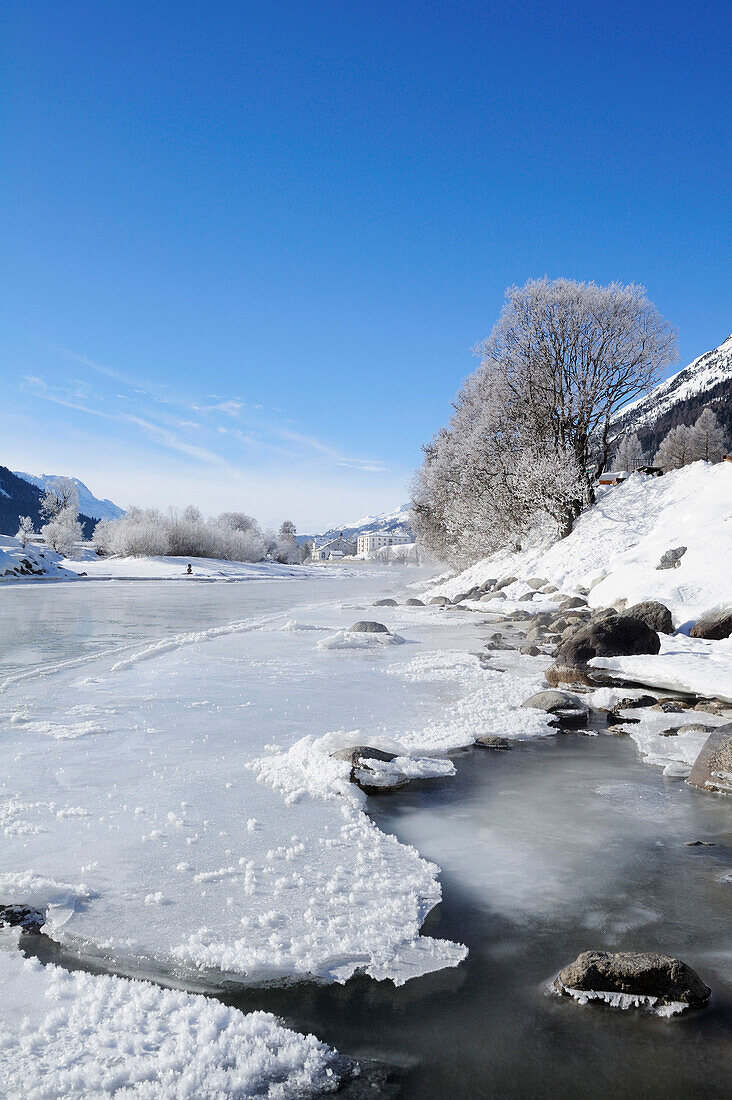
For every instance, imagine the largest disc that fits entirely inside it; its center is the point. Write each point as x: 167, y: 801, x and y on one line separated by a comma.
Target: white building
x: 366, y: 543
x: 332, y: 550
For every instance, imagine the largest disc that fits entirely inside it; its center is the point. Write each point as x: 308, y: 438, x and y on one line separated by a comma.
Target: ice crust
x: 76, y: 1035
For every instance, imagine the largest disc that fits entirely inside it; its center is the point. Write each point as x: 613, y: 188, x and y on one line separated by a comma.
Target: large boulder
x: 385, y: 603
x: 367, y: 626
x: 713, y: 626
x: 616, y: 636
x: 654, y: 614
x: 655, y: 979
x: 712, y: 769
x: 440, y: 601
x: 413, y: 602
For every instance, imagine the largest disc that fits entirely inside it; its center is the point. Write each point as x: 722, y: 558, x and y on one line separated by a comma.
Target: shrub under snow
x: 147, y: 532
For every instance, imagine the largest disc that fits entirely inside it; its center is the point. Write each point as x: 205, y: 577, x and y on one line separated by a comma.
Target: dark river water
x: 586, y: 848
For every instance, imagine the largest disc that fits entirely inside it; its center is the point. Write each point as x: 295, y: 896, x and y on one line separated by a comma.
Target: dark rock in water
x: 672, y: 558
x: 363, y: 776
x: 712, y: 769
x: 442, y: 601
x: 358, y: 754
x: 367, y: 626
x: 670, y: 706
x: 414, y: 602
x: 385, y: 603
x: 714, y: 626
x: 695, y: 727
x: 639, y: 974
x: 700, y: 844
x: 25, y: 917
x: 670, y: 732
x: 488, y: 741
x: 654, y: 614
x: 618, y: 636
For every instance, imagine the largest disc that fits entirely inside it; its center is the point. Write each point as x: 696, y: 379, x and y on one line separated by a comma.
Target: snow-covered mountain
x: 89, y: 505
x: 388, y: 523
x: 707, y: 380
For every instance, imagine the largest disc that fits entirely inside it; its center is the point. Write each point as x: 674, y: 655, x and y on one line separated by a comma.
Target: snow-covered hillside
x: 617, y: 544
x: 18, y: 561
x: 704, y: 380
x: 89, y: 505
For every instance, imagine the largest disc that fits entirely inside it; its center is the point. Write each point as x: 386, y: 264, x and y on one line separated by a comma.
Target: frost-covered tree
x: 630, y: 454
x: 531, y: 427
x: 63, y: 531
x: 676, y: 448
x: 571, y: 355
x: 287, y: 551
x: 709, y: 440
x: 61, y: 495
x: 25, y: 530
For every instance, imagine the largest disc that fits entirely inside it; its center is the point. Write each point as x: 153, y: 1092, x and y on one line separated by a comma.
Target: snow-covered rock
x: 30, y: 561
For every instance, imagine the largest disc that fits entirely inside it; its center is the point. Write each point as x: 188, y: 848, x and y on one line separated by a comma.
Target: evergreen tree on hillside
x: 709, y: 441
x: 676, y: 449
x: 630, y: 454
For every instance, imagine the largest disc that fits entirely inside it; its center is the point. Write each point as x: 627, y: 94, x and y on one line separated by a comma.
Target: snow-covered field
x: 168, y: 800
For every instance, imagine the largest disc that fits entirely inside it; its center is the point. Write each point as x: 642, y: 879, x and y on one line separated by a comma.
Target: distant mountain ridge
x: 19, y: 497
x: 705, y: 382
x: 387, y: 523
x: 88, y: 503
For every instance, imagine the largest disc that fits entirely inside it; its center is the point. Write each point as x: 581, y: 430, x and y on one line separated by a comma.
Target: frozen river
x: 167, y: 803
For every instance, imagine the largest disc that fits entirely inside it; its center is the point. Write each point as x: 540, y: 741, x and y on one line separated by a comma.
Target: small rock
x: 670, y: 706
x: 461, y: 597
x: 695, y: 727
x: 560, y: 703
x: 573, y: 601
x: 413, y: 602
x: 700, y: 844
x: 582, y: 590
x: 440, y: 601
x: 367, y: 626
x: 640, y: 974
x: 385, y: 603
x: 530, y: 650
x: 505, y: 581
x: 712, y: 706
x: 549, y: 588
x: 527, y: 596
x: 537, y: 582
x: 672, y: 558
x: 714, y: 626
x: 25, y: 917
x: 670, y: 732
x: 630, y: 703
x: 488, y: 741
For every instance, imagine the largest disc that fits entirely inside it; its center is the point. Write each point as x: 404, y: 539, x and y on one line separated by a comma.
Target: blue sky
x: 249, y: 246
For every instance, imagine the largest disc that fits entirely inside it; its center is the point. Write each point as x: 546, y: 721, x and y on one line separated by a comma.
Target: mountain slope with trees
x: 19, y: 498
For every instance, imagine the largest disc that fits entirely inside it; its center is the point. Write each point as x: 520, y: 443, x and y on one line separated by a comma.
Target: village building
x: 366, y: 543
x: 332, y: 550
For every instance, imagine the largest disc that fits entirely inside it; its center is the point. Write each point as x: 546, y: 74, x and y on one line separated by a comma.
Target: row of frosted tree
x: 532, y: 428
x: 146, y: 532
x: 704, y: 441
